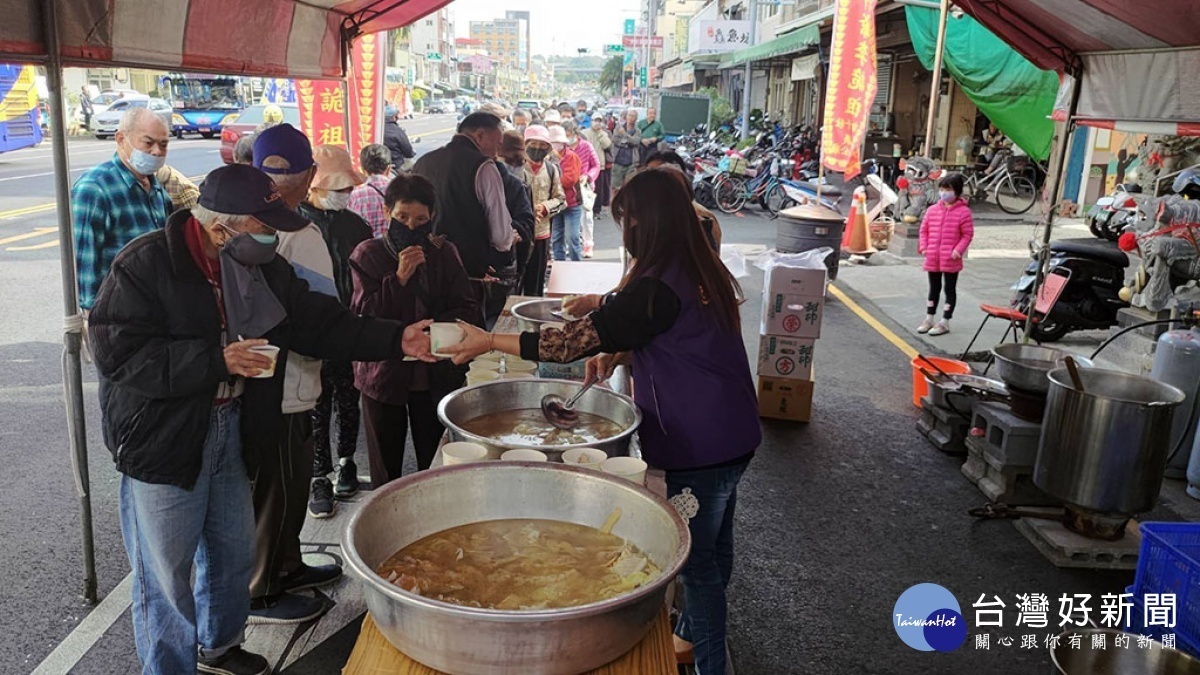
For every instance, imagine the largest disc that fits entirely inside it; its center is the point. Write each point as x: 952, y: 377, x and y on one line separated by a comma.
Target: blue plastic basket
x: 1137, y: 626
x: 1169, y: 562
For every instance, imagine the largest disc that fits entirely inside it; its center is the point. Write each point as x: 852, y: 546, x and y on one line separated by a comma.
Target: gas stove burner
x: 1028, y: 405
x: 1094, y: 525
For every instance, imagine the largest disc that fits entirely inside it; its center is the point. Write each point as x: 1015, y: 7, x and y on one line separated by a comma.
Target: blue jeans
x: 567, y: 229
x: 710, y: 564
x: 167, y: 530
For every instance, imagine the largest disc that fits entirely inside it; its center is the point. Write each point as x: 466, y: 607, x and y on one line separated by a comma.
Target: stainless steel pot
x: 1104, y: 449
x: 957, y: 391
x: 531, y: 315
x: 468, y: 641
x: 1129, y: 658
x: 489, y: 397
x: 1024, y: 366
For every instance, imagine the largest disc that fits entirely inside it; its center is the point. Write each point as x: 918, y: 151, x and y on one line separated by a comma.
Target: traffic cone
x: 848, y: 228
x: 860, y: 232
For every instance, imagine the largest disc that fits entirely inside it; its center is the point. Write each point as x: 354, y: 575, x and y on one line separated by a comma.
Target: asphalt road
x: 835, y: 518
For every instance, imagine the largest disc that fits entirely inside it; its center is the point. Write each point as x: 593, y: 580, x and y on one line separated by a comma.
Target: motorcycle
x: 1113, y: 213
x: 1090, y: 297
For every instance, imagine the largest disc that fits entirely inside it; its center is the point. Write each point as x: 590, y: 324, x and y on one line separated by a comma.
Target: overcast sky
x: 556, y: 26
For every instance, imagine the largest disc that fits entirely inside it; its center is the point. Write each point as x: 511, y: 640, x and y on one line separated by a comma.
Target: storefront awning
x: 419, y: 84
x: 444, y: 87
x: 791, y: 43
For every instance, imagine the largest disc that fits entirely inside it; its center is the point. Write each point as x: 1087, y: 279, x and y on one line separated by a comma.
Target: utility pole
x: 753, y: 12
x: 935, y: 88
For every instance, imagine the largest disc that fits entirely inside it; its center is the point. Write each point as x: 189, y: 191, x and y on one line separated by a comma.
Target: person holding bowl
x: 408, y: 272
x: 675, y: 318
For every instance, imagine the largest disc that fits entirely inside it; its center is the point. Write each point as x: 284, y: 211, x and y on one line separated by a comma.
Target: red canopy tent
x: 276, y: 38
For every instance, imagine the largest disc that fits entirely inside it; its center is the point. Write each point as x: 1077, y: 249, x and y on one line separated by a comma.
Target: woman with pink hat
x: 343, y: 230
x: 544, y: 179
x: 566, y: 229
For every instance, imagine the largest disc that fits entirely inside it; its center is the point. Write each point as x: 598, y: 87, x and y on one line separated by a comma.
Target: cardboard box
x: 792, y: 315
x: 795, y: 281
x: 784, y: 399
x: 786, y: 357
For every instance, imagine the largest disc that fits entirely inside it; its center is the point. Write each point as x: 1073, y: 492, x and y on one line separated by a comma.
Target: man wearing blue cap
x: 396, y: 140
x: 283, y: 471
x: 189, y: 393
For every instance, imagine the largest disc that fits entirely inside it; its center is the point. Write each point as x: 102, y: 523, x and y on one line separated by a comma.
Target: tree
x: 612, y: 76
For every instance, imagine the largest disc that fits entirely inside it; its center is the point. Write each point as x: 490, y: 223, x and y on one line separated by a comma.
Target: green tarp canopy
x: 793, y: 42
x: 1016, y: 95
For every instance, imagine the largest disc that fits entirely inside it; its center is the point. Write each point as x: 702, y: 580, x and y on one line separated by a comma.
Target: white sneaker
x: 925, y: 325
x: 940, y: 328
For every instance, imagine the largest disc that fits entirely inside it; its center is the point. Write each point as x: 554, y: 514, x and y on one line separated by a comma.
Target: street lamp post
x: 749, y: 73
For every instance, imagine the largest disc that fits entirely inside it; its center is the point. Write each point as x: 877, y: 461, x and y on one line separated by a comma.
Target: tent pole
x: 936, y: 87
x: 73, y: 321
x: 1056, y: 186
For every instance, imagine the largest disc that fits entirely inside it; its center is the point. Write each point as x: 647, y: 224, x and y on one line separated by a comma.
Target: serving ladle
x: 560, y: 413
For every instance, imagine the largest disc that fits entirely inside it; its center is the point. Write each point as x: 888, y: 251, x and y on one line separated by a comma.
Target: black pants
x: 280, y: 476
x: 935, y: 291
x: 603, y: 187
x: 387, y: 430
x: 534, y: 283
x: 337, y: 392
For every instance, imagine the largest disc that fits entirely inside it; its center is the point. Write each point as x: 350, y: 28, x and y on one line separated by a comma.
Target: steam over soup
x: 529, y: 427
x: 519, y: 564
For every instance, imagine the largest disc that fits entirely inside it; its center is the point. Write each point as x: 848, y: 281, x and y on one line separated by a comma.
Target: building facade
x: 506, y: 40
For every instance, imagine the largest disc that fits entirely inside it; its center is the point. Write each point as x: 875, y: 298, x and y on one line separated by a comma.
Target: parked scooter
x: 1113, y: 213
x: 1090, y: 300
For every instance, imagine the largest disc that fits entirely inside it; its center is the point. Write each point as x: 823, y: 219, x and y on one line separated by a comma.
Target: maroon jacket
x: 440, y: 290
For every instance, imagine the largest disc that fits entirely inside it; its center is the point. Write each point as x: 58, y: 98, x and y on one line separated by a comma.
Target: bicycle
x: 732, y: 192
x: 1014, y: 193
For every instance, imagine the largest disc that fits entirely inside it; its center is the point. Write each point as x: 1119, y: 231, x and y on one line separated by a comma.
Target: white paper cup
x: 631, y: 469
x: 463, y: 453
x: 517, y: 376
x: 589, y: 458
x: 271, y: 352
x: 481, y: 376
x: 478, y: 365
x: 444, y: 334
x: 567, y: 315
x: 490, y: 356
x: 520, y: 366
x: 524, y: 455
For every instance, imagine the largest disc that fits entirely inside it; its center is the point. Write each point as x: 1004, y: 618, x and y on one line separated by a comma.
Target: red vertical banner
x: 327, y: 118
x: 851, y: 88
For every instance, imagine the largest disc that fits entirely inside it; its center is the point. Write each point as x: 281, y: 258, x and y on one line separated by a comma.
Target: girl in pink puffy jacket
x: 946, y: 233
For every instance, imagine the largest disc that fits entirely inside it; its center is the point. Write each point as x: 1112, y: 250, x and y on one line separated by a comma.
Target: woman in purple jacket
x: 408, y: 272
x: 675, y: 318
x: 946, y: 232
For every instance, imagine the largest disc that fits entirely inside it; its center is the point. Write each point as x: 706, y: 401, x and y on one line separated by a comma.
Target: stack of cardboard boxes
x: 793, y: 303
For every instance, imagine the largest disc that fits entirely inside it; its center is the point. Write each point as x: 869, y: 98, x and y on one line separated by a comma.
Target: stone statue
x: 918, y: 187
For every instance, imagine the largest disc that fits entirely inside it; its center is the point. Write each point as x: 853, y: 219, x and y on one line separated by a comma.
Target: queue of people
x: 225, y: 448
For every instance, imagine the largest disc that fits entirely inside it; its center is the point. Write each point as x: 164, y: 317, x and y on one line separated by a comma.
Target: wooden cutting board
x: 374, y: 655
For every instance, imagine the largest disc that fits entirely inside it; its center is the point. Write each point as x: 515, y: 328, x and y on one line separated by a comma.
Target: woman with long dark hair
x: 675, y: 318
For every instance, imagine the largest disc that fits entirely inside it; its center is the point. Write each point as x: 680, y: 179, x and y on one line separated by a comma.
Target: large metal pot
x: 468, y: 641
x: 467, y: 404
x: 1105, y: 448
x: 1130, y: 657
x: 1024, y: 367
x: 531, y: 315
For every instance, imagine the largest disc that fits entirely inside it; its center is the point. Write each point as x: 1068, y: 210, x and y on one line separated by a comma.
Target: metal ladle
x: 560, y: 413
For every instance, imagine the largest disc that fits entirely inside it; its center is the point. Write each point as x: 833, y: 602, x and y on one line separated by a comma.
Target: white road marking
x: 71, y: 651
x: 39, y: 175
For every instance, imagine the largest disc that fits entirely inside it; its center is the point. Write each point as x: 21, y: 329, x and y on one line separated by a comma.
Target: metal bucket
x: 1090, y: 659
x: 804, y: 228
x: 1104, y: 449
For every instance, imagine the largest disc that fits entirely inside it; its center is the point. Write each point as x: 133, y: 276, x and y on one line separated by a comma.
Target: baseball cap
x: 284, y: 142
x: 238, y: 189
x: 390, y: 111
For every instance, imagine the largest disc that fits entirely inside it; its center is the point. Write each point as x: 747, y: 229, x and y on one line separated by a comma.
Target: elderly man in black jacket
x: 187, y: 327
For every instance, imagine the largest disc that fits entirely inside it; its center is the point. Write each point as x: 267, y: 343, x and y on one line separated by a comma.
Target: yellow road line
x: 871, y: 321
x: 27, y: 210
x: 28, y: 235
x: 34, y: 247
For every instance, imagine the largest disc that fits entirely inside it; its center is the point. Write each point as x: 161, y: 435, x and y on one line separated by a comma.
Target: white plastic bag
x: 734, y: 261
x: 814, y: 259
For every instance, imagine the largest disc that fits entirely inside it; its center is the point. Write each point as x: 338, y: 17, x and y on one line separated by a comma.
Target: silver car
x: 105, y: 124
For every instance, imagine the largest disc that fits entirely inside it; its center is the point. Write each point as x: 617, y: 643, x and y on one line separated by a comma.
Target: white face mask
x: 334, y: 201
x: 146, y: 163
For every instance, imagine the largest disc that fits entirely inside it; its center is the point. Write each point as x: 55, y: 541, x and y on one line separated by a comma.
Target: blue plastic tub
x: 1169, y: 562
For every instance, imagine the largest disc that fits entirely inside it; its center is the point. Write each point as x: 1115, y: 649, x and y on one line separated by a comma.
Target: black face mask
x: 402, y: 237
x: 538, y: 155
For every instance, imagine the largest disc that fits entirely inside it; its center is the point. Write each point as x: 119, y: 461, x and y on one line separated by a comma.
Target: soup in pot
x: 518, y: 564
x: 529, y: 427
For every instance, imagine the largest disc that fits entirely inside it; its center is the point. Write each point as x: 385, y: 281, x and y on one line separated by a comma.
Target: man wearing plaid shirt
x: 367, y: 199
x: 115, y: 202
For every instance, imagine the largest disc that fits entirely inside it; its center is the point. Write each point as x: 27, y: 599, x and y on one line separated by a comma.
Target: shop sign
x: 716, y: 37
x: 805, y: 67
